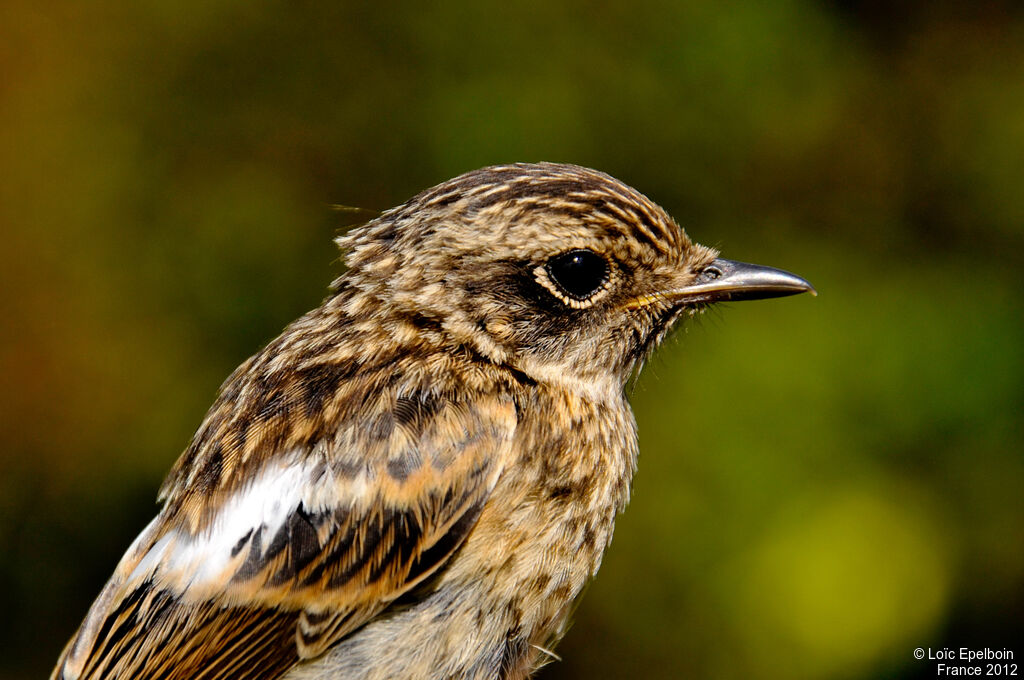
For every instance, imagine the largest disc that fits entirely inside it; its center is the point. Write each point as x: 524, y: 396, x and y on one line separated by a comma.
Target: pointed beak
x: 724, y: 280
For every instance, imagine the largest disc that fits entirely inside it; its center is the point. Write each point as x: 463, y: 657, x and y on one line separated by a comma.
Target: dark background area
x: 825, y: 484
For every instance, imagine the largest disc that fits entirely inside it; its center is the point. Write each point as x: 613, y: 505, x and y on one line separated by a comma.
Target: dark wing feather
x: 209, y: 642
x: 253, y: 599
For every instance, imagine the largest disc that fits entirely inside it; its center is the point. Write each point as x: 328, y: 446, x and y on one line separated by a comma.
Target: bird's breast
x: 542, y: 534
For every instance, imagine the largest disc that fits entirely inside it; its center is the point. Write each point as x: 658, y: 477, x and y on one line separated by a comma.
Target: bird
x: 418, y: 478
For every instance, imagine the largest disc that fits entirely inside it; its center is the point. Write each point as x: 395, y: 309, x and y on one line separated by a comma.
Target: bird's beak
x: 730, y: 280
x: 724, y: 280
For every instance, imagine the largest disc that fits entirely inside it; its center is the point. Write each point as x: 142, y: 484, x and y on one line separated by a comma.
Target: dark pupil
x: 580, y: 273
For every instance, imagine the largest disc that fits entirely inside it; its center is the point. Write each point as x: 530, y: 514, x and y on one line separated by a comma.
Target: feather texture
x: 307, y: 551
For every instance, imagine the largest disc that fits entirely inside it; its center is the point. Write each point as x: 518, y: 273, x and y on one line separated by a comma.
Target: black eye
x: 579, y: 273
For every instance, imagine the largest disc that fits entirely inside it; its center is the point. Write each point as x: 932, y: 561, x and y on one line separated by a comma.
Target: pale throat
x: 599, y: 386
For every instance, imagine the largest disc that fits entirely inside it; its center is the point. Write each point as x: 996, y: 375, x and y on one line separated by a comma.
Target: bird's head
x: 556, y: 270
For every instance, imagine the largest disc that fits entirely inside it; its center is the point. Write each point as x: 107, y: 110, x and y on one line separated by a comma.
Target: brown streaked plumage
x: 417, y: 478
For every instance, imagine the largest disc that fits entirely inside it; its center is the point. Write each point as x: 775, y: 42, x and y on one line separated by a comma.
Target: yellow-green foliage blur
x: 825, y: 484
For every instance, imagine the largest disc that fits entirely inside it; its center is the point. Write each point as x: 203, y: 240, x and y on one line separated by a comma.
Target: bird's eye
x: 579, y: 273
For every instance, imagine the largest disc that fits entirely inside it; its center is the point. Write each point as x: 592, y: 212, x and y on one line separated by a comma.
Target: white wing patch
x: 204, y: 562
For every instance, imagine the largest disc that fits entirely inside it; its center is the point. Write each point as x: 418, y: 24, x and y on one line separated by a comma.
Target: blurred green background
x: 825, y: 483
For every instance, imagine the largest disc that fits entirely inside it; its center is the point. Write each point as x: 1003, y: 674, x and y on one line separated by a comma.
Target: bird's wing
x: 315, y: 544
